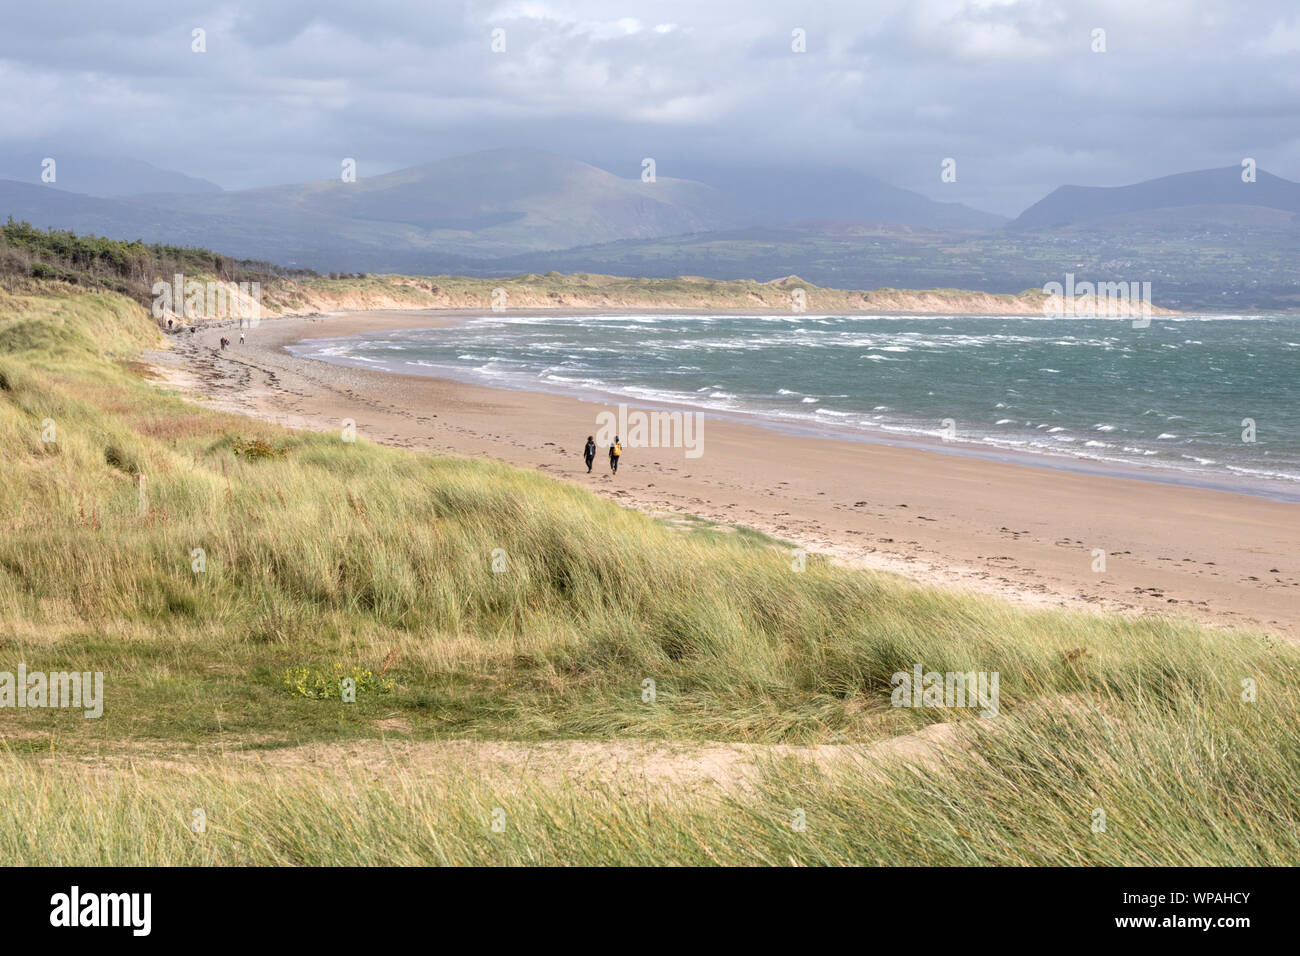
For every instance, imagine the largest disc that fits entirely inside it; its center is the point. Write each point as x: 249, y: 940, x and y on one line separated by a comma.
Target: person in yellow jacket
x: 615, y: 452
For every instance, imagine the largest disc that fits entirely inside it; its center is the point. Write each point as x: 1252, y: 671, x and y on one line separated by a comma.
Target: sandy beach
x: 1017, y: 530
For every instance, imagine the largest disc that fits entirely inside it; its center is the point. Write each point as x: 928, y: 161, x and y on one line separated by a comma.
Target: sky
x: 1016, y: 92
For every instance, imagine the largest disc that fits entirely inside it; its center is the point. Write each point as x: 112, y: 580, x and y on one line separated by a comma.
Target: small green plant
x: 320, y: 683
x: 256, y: 448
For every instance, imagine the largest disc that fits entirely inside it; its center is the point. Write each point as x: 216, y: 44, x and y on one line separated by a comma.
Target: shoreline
x: 1024, y: 531
x: 827, y: 430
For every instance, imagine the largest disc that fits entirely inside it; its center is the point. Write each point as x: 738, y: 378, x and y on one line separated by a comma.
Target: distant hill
x: 101, y: 176
x: 46, y: 206
x: 773, y: 195
x: 1216, y: 188
x: 493, y: 203
x: 452, y: 213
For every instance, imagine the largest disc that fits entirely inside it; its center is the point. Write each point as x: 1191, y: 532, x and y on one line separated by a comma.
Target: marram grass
x: 1028, y: 794
x: 250, y: 560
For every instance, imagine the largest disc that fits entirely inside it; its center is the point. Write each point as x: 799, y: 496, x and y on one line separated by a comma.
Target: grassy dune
x: 30, y: 258
x: 322, y: 557
x: 587, y: 290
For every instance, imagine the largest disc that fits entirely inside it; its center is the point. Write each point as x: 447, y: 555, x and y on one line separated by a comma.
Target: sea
x: 1209, y: 400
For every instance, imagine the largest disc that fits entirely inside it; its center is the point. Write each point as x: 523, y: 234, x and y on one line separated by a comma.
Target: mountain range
x: 483, y: 206
x: 1209, y: 193
x: 521, y: 210
x: 101, y: 176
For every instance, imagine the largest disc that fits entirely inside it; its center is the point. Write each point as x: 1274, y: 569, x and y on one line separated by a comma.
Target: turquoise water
x: 1170, y: 398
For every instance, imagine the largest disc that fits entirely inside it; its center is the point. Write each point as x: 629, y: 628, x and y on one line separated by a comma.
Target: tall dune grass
x: 319, y: 553
x: 1026, y: 793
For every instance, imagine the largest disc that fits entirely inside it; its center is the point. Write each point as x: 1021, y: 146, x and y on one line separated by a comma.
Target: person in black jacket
x: 589, y: 453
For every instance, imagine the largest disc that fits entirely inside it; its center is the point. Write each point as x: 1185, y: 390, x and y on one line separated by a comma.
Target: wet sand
x: 1022, y: 531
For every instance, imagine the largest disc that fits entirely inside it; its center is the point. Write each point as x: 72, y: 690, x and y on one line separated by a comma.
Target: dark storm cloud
x: 1011, y: 89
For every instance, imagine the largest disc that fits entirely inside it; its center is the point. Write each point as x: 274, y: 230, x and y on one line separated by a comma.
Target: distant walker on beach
x: 615, y: 452
x: 589, y: 453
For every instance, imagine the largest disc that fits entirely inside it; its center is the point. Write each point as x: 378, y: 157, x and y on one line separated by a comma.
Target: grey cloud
x: 1010, y: 88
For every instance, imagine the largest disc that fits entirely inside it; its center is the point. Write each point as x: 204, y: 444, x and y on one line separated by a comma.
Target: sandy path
x: 650, y: 768
x: 1016, y: 530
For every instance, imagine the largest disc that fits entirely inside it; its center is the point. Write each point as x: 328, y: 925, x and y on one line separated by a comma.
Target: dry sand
x: 1018, y: 530
x: 625, y: 767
